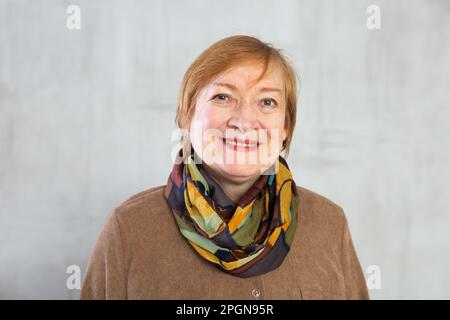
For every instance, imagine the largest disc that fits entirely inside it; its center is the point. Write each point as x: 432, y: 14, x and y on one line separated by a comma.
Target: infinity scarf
x: 257, y: 234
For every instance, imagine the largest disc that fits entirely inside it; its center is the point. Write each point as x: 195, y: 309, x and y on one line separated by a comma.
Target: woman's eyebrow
x: 228, y: 85
x: 234, y: 88
x: 265, y: 89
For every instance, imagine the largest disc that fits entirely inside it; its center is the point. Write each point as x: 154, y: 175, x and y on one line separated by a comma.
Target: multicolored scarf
x: 245, y: 239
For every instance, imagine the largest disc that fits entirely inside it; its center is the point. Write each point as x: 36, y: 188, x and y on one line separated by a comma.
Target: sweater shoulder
x: 316, y: 207
x: 317, y: 199
x: 147, y: 205
x: 150, y: 194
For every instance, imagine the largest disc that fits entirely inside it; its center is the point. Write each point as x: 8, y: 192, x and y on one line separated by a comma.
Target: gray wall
x: 86, y: 118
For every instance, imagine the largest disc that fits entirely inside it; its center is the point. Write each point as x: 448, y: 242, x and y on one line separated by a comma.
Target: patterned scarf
x: 245, y: 239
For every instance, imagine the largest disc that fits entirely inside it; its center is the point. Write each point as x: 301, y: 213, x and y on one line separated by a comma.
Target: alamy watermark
x: 374, y: 19
x: 73, y: 21
x: 261, y: 146
x: 73, y: 281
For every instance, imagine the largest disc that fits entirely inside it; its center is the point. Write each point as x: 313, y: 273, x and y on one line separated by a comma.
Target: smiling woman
x: 227, y: 229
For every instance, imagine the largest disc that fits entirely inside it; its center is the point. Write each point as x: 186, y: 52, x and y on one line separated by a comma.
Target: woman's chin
x: 244, y: 165
x: 240, y: 170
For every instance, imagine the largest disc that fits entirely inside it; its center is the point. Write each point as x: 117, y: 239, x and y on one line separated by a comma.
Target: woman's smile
x: 236, y: 144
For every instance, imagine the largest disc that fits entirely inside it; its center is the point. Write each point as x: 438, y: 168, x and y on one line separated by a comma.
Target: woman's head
x: 238, y: 89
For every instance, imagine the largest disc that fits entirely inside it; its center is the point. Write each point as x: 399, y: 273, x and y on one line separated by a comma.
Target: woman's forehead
x: 247, y: 74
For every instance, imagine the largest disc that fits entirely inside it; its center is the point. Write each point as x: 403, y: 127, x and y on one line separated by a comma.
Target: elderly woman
x: 230, y: 223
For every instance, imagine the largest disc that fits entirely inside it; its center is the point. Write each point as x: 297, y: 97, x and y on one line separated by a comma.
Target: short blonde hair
x: 219, y: 58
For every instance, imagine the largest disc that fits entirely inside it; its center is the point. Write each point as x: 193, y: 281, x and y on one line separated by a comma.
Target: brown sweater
x: 141, y: 254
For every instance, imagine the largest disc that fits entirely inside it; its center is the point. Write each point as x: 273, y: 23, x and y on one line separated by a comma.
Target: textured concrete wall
x: 86, y: 117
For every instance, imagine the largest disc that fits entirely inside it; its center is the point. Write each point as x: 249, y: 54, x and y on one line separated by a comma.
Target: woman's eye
x: 269, y: 103
x: 221, y: 97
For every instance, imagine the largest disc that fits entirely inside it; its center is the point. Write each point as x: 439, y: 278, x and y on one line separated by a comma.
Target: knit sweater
x: 140, y: 254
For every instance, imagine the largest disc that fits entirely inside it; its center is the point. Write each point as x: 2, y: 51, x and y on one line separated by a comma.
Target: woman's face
x: 234, y: 108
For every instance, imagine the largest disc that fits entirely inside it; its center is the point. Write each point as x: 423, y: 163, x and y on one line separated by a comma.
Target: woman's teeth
x: 239, y: 144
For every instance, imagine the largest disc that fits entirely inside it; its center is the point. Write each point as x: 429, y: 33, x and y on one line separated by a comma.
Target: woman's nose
x: 244, y: 118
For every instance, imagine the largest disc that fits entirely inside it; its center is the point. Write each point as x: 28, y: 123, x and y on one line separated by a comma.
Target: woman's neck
x: 233, y: 188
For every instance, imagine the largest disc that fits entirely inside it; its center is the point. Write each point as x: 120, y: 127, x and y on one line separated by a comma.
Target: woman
x: 230, y: 223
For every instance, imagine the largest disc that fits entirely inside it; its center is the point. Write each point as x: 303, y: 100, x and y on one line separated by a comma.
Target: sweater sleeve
x: 105, y: 276
x: 355, y: 282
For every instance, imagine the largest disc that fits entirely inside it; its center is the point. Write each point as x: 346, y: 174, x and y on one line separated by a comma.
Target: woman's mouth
x: 241, y: 145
